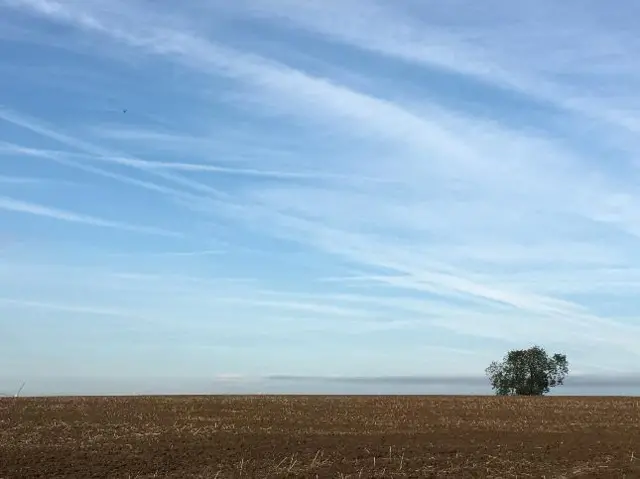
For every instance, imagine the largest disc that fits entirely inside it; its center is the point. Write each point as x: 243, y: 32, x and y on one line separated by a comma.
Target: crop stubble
x: 319, y: 436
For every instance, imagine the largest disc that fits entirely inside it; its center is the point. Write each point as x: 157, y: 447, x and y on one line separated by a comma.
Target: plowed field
x: 319, y: 436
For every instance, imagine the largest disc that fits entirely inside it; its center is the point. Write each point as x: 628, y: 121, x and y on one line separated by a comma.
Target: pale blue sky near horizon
x: 343, y: 188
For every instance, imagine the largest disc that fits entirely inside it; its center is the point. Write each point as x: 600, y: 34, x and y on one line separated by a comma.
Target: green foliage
x: 527, y: 372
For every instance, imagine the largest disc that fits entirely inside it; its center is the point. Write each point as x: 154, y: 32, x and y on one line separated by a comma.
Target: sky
x: 259, y: 192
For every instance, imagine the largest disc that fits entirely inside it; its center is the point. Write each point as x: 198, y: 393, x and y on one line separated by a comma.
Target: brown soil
x: 319, y: 436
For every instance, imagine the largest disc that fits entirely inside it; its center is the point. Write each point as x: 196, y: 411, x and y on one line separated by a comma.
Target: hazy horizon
x: 574, y: 386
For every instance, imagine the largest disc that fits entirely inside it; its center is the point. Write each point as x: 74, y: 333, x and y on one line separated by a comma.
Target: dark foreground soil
x: 319, y: 436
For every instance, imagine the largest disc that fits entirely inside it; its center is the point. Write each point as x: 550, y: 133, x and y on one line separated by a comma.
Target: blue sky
x: 340, y: 188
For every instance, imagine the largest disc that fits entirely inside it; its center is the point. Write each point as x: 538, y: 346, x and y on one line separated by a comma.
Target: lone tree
x: 527, y: 372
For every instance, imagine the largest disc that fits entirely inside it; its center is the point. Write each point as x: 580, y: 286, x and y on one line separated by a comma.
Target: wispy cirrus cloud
x: 19, y: 206
x: 455, y: 179
x: 67, y: 308
x: 311, y: 97
x: 26, y: 180
x: 66, y: 159
x: 70, y: 159
x: 88, y: 147
x: 477, y: 48
x: 204, y: 252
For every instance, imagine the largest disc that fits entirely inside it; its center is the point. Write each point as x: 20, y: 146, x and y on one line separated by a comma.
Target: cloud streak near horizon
x: 343, y: 188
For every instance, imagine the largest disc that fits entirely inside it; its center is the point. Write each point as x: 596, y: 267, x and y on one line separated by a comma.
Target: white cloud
x: 87, y: 147
x: 527, y: 49
x: 482, y: 224
x: 317, y: 98
x: 25, y: 180
x: 68, y: 308
x: 63, y: 158
x: 206, y: 252
x: 19, y: 206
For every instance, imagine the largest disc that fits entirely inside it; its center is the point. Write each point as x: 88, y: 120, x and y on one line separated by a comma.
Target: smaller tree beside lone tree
x: 527, y: 372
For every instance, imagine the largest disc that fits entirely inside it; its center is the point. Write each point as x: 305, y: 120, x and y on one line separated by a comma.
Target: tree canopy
x: 527, y: 372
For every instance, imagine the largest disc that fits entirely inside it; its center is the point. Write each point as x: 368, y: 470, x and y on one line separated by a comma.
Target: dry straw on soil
x: 307, y: 436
